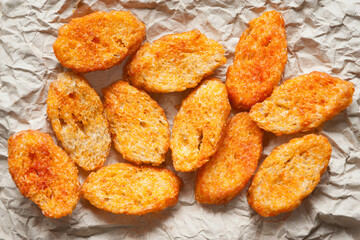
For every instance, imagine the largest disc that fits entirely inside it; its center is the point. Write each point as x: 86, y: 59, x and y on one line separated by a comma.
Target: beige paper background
x: 322, y: 36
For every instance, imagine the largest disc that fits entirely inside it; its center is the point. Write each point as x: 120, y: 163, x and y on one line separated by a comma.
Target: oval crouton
x: 198, y: 126
x: 44, y: 173
x: 260, y: 58
x: 303, y: 103
x: 289, y: 174
x: 98, y: 41
x: 76, y: 115
x: 138, y: 124
x: 174, y: 62
x: 233, y: 164
x: 125, y: 189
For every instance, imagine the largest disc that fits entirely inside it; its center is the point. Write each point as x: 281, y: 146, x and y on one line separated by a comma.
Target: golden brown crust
x: 198, y: 126
x: 98, y: 41
x: 260, y: 58
x: 174, y: 62
x: 303, y: 103
x: 76, y: 115
x: 138, y: 124
x: 44, y: 173
x: 232, y: 166
x: 125, y: 189
x: 289, y: 174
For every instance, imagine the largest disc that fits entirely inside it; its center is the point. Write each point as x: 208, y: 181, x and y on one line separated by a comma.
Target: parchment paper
x: 322, y: 36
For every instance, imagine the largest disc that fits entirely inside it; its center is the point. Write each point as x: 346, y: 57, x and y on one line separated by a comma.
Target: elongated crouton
x: 44, y: 173
x: 174, y: 62
x: 289, y: 174
x: 138, y: 124
x: 125, y: 189
x: 76, y: 115
x: 199, y: 125
x: 233, y: 164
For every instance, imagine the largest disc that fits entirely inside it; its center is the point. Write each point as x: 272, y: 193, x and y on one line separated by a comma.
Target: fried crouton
x: 138, y: 124
x: 76, y: 115
x: 233, y: 164
x: 198, y: 126
x: 260, y: 58
x: 303, y: 103
x: 174, y: 62
x: 98, y: 41
x: 125, y: 189
x: 289, y: 174
x: 44, y: 173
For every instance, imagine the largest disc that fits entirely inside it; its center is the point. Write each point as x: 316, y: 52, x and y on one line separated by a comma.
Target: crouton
x: 138, y: 124
x: 125, y: 189
x: 303, y: 103
x: 198, y: 126
x: 289, y: 174
x: 44, y: 173
x: 76, y: 115
x: 233, y: 164
x: 260, y: 58
x: 98, y: 41
x: 174, y: 62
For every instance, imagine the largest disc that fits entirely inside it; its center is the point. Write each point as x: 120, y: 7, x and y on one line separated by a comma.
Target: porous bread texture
x: 199, y: 124
x: 174, y: 62
x: 303, y: 103
x: 233, y: 164
x: 260, y: 59
x: 43, y: 173
x: 76, y: 115
x: 98, y: 41
x: 138, y: 125
x: 125, y: 189
x: 289, y: 174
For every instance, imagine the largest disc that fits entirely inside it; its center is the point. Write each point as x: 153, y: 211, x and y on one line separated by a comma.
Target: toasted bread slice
x: 76, y: 115
x: 138, y: 124
x: 229, y: 170
x: 198, y: 126
x: 303, y: 103
x: 125, y: 189
x: 174, y: 62
x: 259, y: 62
x: 289, y: 174
x: 44, y: 173
x: 98, y: 41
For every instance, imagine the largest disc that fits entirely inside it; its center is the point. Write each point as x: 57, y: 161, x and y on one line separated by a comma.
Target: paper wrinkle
x: 322, y: 36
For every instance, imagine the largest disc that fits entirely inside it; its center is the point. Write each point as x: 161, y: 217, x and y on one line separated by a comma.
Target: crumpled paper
x: 322, y: 35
